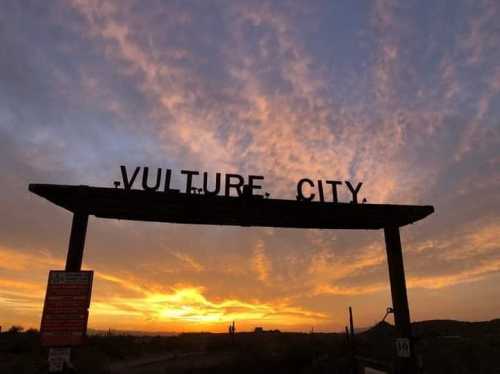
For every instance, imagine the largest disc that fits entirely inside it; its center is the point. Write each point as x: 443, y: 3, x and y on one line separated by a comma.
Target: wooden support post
x: 399, y: 299
x: 77, y: 241
x: 76, y: 245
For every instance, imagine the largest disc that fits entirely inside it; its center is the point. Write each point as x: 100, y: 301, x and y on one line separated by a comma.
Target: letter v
x: 126, y: 183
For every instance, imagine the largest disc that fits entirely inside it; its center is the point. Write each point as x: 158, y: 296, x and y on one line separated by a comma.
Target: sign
x: 369, y: 370
x: 65, y: 311
x: 234, y: 184
x: 403, y: 347
x: 58, y: 358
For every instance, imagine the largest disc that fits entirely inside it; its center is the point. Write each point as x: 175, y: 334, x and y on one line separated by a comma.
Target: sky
x: 402, y: 96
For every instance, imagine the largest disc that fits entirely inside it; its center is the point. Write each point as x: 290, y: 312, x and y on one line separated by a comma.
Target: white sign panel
x: 369, y: 370
x: 403, y: 347
x: 57, y: 358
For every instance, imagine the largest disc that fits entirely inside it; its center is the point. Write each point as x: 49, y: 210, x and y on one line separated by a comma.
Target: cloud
x: 273, y: 132
x: 16, y: 260
x: 261, y: 263
x: 189, y: 261
x: 328, y: 289
x: 477, y: 272
x: 325, y: 262
x: 187, y: 306
x: 147, y: 302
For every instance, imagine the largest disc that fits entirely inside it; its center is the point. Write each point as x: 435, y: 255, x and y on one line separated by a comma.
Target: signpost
x: 317, y: 205
x: 403, y: 347
x: 369, y: 370
x: 58, y: 358
x: 65, y: 312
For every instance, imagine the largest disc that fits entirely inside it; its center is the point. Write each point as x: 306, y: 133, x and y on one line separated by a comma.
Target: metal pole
x: 351, y: 323
x: 399, y: 298
x: 352, y: 345
x: 77, y: 241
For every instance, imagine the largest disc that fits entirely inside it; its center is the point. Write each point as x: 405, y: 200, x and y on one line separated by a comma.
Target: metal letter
x: 189, y: 179
x: 354, y: 191
x: 236, y: 186
x: 300, y: 195
x: 145, y: 172
x: 334, y: 185
x: 168, y: 176
x: 253, y: 186
x: 320, y: 190
x: 205, y: 184
x: 127, y: 184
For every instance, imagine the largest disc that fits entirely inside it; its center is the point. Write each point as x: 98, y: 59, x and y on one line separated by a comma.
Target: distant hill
x: 438, y: 327
x: 452, y: 328
x: 445, y: 346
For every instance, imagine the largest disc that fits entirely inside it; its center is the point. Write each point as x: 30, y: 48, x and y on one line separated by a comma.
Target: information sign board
x: 403, y: 347
x: 65, y: 311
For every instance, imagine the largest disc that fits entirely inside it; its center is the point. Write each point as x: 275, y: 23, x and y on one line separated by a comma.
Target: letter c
x: 300, y: 195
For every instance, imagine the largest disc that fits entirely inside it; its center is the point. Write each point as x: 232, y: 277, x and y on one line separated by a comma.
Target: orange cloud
x: 189, y: 308
x: 180, y: 307
x: 261, y: 263
x: 328, y: 289
x: 477, y: 272
x: 189, y: 261
x: 18, y: 260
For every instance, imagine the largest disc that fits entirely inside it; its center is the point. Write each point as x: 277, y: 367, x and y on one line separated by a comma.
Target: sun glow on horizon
x: 187, y: 306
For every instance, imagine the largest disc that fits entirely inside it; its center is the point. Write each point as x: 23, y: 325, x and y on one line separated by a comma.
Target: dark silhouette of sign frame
x: 246, y: 210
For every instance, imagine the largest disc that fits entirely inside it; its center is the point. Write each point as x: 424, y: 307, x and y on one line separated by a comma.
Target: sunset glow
x: 401, y: 97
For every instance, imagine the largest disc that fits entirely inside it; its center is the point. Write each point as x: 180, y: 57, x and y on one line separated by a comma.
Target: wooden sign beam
x: 250, y: 210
